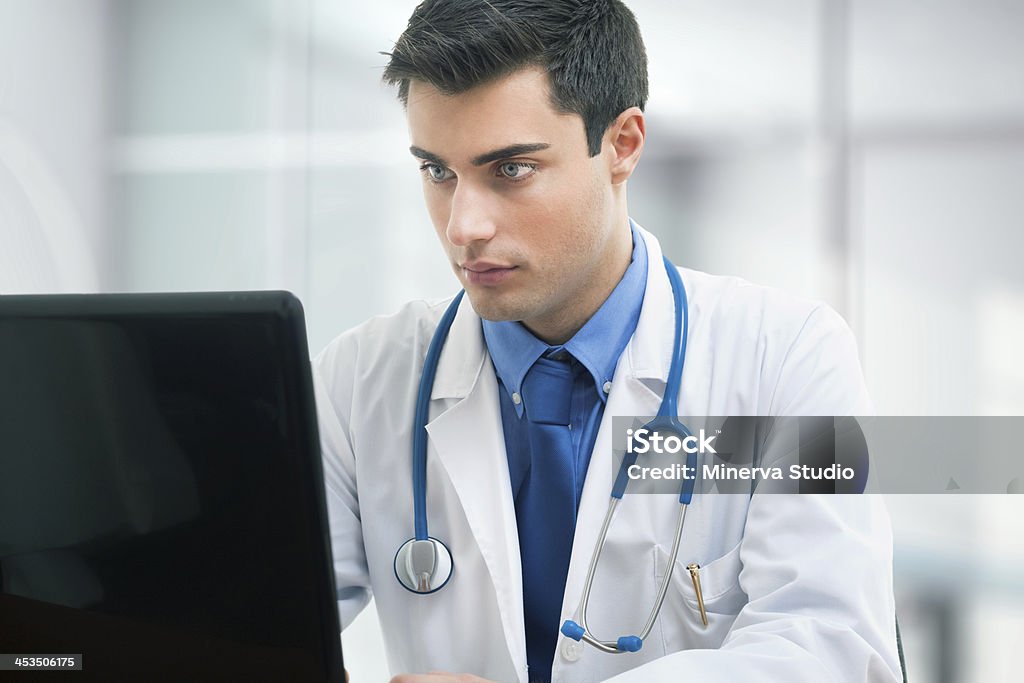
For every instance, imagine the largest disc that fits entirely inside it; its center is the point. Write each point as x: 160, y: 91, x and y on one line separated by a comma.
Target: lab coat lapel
x: 468, y: 440
x: 637, y: 387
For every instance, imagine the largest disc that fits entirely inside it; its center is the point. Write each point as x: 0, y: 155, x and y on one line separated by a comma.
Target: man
x: 526, y: 120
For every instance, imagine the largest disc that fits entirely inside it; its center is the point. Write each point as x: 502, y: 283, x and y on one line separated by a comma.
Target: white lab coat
x: 797, y: 588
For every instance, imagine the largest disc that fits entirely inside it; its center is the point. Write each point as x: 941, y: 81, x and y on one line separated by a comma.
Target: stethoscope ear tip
x: 629, y: 644
x: 570, y: 629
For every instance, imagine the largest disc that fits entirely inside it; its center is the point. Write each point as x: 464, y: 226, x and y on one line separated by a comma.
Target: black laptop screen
x: 161, y: 500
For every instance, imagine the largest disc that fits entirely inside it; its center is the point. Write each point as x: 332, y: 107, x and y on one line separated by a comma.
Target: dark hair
x: 591, y: 49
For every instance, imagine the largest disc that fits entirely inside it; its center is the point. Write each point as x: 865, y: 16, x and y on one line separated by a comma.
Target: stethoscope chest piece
x: 423, y: 566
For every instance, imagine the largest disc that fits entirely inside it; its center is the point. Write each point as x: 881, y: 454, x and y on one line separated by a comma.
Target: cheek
x: 582, y: 207
x: 569, y: 206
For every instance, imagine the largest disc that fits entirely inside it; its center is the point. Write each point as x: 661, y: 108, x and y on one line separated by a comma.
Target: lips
x: 487, y: 272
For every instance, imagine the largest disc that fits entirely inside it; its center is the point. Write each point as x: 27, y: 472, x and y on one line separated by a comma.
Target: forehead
x: 511, y: 110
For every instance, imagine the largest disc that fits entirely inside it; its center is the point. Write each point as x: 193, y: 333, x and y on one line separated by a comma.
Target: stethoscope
x: 423, y: 564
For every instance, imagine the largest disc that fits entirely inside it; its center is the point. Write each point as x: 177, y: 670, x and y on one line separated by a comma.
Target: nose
x: 472, y: 216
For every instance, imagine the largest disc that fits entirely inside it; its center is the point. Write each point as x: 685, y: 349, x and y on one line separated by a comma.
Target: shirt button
x: 516, y: 398
x: 571, y: 650
x: 607, y: 387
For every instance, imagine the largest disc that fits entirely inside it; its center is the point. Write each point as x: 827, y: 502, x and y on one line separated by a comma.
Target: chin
x: 493, y: 307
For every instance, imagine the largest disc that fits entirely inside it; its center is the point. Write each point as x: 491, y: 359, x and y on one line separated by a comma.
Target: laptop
x: 162, y: 508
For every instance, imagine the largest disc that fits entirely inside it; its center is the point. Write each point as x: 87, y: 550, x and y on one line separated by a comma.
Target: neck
x: 560, y: 326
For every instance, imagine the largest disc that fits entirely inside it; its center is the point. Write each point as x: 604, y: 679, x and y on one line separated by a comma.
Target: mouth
x: 486, y: 273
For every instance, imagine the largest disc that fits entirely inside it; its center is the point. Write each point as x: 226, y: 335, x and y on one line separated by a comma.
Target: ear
x: 624, y: 141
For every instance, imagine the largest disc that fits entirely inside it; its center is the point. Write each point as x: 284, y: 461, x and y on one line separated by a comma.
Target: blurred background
x: 869, y: 153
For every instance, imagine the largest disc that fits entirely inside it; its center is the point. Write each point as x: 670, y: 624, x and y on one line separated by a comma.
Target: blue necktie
x: 546, y: 509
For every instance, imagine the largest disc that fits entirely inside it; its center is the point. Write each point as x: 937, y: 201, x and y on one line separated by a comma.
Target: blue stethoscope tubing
x: 419, y: 430
x: 408, y: 565
x: 424, y: 564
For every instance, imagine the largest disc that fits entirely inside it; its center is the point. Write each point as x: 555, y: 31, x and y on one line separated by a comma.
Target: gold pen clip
x: 695, y: 575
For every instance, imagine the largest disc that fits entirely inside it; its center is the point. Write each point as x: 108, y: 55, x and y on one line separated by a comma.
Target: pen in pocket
x: 695, y: 575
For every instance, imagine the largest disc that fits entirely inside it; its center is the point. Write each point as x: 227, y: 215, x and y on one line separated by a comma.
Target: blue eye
x: 435, y: 173
x: 516, y: 170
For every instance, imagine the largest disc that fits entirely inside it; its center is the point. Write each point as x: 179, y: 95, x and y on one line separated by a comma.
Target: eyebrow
x: 486, y: 157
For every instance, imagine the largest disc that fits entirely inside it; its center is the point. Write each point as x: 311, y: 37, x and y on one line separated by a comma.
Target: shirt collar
x: 597, y: 345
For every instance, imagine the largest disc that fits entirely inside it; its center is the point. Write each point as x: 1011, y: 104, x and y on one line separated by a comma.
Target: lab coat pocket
x: 680, y: 620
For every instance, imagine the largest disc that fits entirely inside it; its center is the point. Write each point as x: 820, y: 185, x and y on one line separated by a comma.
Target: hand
x: 439, y: 677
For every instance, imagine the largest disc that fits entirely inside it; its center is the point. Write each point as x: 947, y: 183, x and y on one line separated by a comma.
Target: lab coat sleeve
x: 334, y: 408
x: 817, y: 568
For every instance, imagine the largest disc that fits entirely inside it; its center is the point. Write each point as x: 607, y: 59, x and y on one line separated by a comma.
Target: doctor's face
x: 527, y: 218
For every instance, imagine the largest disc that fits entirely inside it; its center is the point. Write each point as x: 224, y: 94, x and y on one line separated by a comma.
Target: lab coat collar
x: 649, y: 352
x: 462, y: 356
